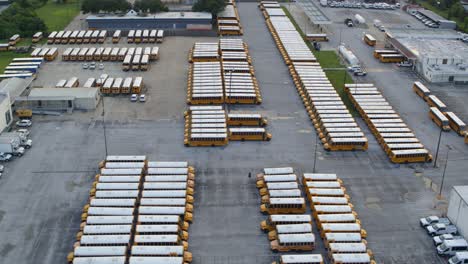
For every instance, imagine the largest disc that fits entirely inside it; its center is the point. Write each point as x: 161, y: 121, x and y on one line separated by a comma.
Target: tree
x: 17, y: 19
x: 212, y: 6
x: 466, y: 23
x: 95, y: 6
x: 153, y: 6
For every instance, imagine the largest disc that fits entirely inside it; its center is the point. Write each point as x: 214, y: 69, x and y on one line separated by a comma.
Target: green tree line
x: 454, y: 10
x: 20, y: 18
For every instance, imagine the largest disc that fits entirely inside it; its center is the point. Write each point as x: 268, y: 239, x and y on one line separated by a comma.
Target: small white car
x: 24, y: 123
x: 134, y: 98
x: 142, y: 98
x: 101, y: 66
x: 5, y: 156
x: 92, y: 65
x: 23, y: 131
x: 85, y: 66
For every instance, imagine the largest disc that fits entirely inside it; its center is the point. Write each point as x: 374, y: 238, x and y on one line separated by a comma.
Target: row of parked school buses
x: 438, y: 112
x: 77, y: 37
x: 48, y: 54
x: 388, y: 56
x: 289, y: 226
x: 327, y: 111
x: 336, y: 219
x: 208, y: 126
x: 22, y: 68
x: 228, y: 20
x: 222, y: 73
x: 108, y: 53
x: 393, y: 134
x: 139, y: 211
x: 143, y: 36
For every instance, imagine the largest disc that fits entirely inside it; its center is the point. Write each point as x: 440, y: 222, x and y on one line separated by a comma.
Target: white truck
x: 22, y: 134
x: 11, y: 145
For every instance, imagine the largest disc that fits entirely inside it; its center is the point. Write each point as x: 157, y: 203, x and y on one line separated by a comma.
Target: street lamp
x: 104, y: 124
x: 438, y: 146
x: 229, y: 91
x: 315, y: 151
x: 445, y: 169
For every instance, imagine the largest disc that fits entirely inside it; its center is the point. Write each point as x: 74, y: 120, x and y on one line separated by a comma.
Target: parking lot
x: 42, y: 194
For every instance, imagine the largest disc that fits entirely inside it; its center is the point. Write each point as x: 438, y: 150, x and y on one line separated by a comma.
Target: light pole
x: 438, y: 146
x: 315, y: 151
x: 445, y: 169
x: 104, y: 124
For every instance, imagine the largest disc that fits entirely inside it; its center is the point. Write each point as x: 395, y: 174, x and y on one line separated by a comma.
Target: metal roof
x: 313, y: 12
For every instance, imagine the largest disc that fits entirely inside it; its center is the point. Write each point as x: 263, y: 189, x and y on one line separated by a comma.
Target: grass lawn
x: 329, y: 59
x: 58, y: 16
x: 7, y: 56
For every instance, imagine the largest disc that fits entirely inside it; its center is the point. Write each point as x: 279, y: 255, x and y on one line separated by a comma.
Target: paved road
x: 42, y: 194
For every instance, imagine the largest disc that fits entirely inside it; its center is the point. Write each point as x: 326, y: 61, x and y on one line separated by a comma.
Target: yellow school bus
x: 421, y: 90
x: 284, y: 206
x: 246, y: 120
x: 302, y: 259
x: 281, y: 219
x: 242, y: 134
x: 439, y: 118
x: 456, y: 123
x: 410, y: 156
x: 370, y: 40
x: 296, y: 242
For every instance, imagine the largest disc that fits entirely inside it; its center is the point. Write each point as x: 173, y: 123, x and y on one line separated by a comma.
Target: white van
x: 450, y: 247
x: 459, y: 258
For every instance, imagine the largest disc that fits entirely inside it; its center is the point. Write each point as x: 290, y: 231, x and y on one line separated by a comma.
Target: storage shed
x: 458, y: 208
x: 63, y: 99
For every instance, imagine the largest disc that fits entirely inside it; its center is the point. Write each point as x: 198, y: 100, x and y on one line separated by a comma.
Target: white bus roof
x: 328, y: 200
x: 156, y: 260
x: 164, y: 201
x: 99, y: 260
x: 336, y: 218
x: 343, y: 237
x: 119, y: 178
x: 165, y: 185
x: 302, y: 259
x: 168, y: 210
x: 124, y: 165
x: 104, y: 239
x: 297, y: 218
x: 166, y: 178
x: 158, y: 218
x: 281, y: 185
x: 126, y: 158
x: 358, y: 247
x: 284, y: 170
x: 157, y: 250
x: 336, y: 227
x: 116, y: 186
x: 110, y: 210
x: 157, y: 228
x: 99, y: 251
x: 294, y: 228
x: 293, y: 200
x: 333, y: 209
x: 326, y: 192
x: 168, y: 171
x: 285, y: 193
x: 112, y: 202
x: 156, y: 238
x: 101, y: 220
x: 164, y: 194
x: 117, y: 194
x: 410, y: 151
x: 323, y: 184
x: 319, y: 177
x: 107, y: 229
x: 167, y: 164
x: 352, y: 258
x: 280, y: 178
x: 105, y: 171
x: 296, y: 238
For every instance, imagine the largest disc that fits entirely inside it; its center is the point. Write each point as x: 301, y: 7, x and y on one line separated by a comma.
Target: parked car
x: 460, y: 257
x: 85, y: 66
x: 440, y: 239
x: 27, y: 144
x: 23, y: 131
x: 433, y: 219
x: 405, y: 64
x: 92, y: 65
x: 101, y: 66
x: 5, y: 156
x: 450, y: 247
x: 142, y: 98
x: 360, y: 73
x: 134, y: 98
x: 24, y: 123
x: 440, y: 229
